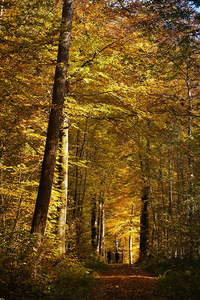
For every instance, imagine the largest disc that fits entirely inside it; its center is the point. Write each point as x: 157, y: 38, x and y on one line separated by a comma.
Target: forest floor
x: 127, y: 282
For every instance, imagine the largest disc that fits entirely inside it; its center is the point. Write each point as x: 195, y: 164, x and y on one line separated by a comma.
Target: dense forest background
x: 127, y: 176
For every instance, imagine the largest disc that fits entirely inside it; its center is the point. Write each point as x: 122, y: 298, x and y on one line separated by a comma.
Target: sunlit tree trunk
x: 55, y: 119
x: 64, y: 186
x: 99, y: 228
x: 131, y: 237
x: 103, y: 233
x: 1, y: 9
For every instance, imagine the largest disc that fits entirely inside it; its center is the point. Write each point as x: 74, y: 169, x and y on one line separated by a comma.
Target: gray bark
x: 64, y: 186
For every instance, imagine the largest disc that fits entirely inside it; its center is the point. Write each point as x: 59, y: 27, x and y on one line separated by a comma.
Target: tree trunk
x: 99, y: 227
x: 170, y: 182
x: 131, y: 237
x: 103, y: 233
x: 94, y: 223
x: 130, y: 249
x: 64, y: 186
x: 82, y: 185
x: 144, y: 219
x: 190, y: 165
x: 76, y: 189
x: 2, y: 202
x: 55, y: 119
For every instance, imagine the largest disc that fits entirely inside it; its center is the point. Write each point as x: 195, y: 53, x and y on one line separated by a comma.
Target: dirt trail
x: 127, y: 282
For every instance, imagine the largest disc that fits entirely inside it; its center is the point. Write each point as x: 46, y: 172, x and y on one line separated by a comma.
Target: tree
x: 55, y: 119
x: 25, y: 95
x: 63, y: 174
x: 144, y: 220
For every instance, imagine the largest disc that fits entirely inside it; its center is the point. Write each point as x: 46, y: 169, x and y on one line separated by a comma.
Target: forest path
x: 127, y: 282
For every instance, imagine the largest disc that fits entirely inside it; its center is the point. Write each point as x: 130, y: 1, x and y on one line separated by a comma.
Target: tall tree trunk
x: 82, y: 183
x: 170, y: 183
x: 2, y: 202
x: 76, y: 191
x: 190, y: 157
x: 94, y: 223
x: 131, y: 237
x: 144, y: 223
x: 99, y: 227
x: 190, y: 165
x: 130, y: 249
x: 103, y: 233
x: 101, y: 224
x: 55, y: 119
x: 64, y: 186
x: 144, y: 219
x: 80, y: 145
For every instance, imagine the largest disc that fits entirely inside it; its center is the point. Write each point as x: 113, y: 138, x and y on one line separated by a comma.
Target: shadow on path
x: 127, y: 282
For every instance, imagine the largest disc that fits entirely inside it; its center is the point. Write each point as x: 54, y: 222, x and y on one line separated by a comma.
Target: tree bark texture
x: 55, y: 119
x: 64, y: 138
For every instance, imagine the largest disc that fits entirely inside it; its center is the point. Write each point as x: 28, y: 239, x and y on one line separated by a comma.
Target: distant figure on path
x: 116, y: 257
x: 109, y: 256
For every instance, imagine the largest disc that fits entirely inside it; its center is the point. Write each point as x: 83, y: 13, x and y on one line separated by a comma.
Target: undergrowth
x: 57, y: 279
x: 179, y: 278
x: 69, y: 279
